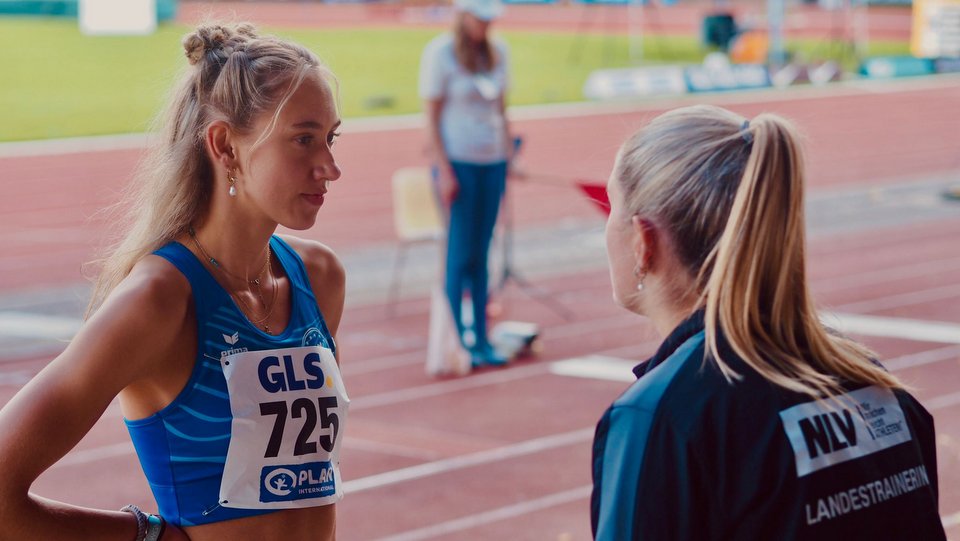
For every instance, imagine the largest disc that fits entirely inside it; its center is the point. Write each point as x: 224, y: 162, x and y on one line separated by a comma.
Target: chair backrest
x: 416, y: 215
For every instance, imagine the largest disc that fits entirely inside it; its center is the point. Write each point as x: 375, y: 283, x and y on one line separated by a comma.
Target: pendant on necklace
x: 266, y: 328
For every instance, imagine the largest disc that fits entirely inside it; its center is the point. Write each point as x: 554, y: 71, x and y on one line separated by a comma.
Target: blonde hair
x: 235, y: 75
x: 729, y: 193
x: 475, y: 57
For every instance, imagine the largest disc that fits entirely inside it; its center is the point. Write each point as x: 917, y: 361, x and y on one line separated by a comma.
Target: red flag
x: 596, y: 193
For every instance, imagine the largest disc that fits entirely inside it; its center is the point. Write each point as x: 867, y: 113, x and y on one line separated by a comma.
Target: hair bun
x: 211, y: 37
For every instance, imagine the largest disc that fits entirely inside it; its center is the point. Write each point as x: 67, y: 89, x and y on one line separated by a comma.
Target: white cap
x: 485, y: 10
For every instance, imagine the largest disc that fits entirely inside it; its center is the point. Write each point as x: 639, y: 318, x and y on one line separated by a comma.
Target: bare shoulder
x: 149, y: 306
x: 154, y: 288
x: 321, y: 262
x: 153, y: 300
x: 327, y: 278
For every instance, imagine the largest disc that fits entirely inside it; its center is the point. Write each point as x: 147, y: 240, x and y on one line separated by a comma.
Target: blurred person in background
x: 752, y: 420
x: 463, y: 82
x: 210, y: 328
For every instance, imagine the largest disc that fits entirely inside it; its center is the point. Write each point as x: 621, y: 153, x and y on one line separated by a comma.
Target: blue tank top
x: 183, y: 447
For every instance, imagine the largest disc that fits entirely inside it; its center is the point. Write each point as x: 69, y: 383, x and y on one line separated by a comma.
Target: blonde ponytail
x: 730, y: 193
x: 757, y: 291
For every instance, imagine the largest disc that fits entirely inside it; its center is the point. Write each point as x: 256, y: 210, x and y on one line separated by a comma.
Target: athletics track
x: 504, y: 454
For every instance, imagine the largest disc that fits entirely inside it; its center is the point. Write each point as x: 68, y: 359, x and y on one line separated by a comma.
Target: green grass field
x: 60, y: 83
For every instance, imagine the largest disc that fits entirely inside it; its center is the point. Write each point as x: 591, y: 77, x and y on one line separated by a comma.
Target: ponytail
x: 730, y: 194
x: 757, y: 291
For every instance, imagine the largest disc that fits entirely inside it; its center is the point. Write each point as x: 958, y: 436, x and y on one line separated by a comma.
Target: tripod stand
x: 507, y: 271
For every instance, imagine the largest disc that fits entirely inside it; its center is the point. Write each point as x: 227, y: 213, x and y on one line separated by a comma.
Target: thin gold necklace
x: 256, y: 282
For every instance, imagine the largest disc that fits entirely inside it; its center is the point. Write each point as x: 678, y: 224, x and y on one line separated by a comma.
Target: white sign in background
x: 117, y: 17
x: 936, y: 28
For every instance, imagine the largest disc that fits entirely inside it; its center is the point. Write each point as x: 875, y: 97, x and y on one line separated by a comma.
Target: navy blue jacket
x: 685, y: 455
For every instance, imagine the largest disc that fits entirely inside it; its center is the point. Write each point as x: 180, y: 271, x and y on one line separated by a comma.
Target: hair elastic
x: 745, y: 131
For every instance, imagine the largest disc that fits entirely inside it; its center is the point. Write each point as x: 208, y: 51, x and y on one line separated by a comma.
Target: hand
x: 516, y: 171
x: 447, y: 185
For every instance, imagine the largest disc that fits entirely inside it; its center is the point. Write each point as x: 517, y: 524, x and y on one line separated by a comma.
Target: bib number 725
x: 310, y: 410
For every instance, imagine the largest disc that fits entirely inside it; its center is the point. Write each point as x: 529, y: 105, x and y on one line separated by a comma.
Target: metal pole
x: 775, y: 14
x: 861, y: 30
x: 635, y: 29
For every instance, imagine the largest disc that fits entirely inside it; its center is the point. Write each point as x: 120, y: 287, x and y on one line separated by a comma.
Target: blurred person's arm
x: 432, y: 89
x: 514, y: 169
x: 513, y: 165
x: 447, y: 181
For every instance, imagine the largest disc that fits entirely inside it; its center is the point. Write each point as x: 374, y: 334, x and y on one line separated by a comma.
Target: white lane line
x: 922, y: 358
x: 30, y: 325
x: 380, y: 364
x: 412, y: 357
x: 885, y: 275
x: 895, y: 327
x: 494, y: 515
x: 595, y: 367
x: 949, y: 521
x: 942, y: 401
x: 904, y: 299
x: 407, y: 394
x: 488, y: 456
x: 386, y: 448
x: 72, y: 145
x: 611, y: 368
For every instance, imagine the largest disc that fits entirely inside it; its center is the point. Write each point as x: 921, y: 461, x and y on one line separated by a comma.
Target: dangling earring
x: 641, y: 274
x: 232, y: 178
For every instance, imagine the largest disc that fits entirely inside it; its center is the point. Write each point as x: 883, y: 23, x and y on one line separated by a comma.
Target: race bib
x: 289, y: 407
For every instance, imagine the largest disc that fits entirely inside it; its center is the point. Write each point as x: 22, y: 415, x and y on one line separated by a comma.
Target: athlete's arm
x: 327, y: 279
x: 124, y: 343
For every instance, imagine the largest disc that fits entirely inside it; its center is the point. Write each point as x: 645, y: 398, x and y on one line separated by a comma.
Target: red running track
x: 866, y: 134
x: 504, y: 454
x: 802, y: 20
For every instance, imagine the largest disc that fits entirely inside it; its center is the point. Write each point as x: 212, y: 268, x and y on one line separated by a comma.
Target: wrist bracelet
x: 155, y: 528
x: 141, y: 521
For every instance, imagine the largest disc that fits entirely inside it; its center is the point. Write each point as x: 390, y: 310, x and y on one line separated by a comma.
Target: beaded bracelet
x: 149, y: 527
x: 141, y: 520
x: 155, y: 527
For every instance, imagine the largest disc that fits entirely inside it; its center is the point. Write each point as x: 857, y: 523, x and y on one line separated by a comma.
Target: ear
x: 646, y: 247
x: 219, y: 141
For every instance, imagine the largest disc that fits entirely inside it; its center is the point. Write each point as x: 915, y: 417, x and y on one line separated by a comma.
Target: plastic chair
x: 416, y: 218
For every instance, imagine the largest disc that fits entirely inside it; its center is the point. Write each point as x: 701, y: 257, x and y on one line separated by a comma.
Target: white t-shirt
x: 471, y: 125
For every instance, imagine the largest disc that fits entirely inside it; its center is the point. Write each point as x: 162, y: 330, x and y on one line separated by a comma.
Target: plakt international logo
x: 297, y: 482
x: 280, y: 482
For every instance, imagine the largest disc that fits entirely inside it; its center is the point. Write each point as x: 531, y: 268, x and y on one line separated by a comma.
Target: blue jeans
x: 473, y: 215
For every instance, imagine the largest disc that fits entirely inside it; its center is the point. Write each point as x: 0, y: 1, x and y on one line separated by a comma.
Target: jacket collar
x: 686, y: 329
